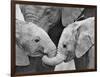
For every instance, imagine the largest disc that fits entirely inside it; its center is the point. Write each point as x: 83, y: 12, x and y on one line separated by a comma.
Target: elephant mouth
x: 69, y: 56
x: 38, y: 51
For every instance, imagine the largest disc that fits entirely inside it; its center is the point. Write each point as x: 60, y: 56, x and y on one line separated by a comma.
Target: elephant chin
x: 59, y: 58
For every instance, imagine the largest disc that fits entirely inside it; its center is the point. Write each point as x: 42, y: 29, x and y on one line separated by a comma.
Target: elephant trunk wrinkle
x: 54, y: 60
x: 52, y: 53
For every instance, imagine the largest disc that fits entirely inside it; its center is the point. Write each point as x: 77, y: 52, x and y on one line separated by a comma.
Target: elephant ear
x: 19, y: 24
x: 69, y: 15
x: 19, y: 14
x: 21, y: 56
x: 84, y: 40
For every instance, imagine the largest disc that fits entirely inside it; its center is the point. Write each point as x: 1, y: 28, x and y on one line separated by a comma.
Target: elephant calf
x: 76, y: 40
x: 32, y: 41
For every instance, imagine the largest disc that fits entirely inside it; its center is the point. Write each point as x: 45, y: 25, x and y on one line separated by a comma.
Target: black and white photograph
x: 53, y: 38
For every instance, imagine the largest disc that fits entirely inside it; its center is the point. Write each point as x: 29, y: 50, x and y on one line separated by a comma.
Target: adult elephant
x: 43, y: 16
x: 76, y: 40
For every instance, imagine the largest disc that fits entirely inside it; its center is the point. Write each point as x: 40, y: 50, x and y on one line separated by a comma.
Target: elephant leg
x: 82, y: 63
x: 41, y: 67
x: 35, y: 66
x: 36, y: 63
x: 91, y: 64
x: 87, y: 61
x: 27, y: 69
x: 65, y: 66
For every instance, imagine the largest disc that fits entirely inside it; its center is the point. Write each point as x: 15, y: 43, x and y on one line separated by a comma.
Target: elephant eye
x: 36, y: 40
x: 48, y: 11
x: 64, y: 46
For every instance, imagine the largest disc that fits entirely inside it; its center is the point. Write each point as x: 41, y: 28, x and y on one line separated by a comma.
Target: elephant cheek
x: 29, y: 47
x: 26, y: 48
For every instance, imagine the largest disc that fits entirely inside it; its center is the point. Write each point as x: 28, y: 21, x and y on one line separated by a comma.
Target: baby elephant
x: 33, y: 41
x: 76, y: 40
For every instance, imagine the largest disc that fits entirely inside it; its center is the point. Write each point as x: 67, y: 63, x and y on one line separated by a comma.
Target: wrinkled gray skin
x: 47, y: 16
x: 76, y: 39
x: 43, y: 16
x: 30, y: 39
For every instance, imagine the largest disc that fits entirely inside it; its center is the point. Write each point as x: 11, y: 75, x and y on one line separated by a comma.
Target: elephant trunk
x: 50, y: 48
x: 52, y: 53
x: 52, y: 61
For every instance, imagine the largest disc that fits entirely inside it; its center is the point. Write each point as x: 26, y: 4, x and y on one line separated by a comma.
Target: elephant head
x: 30, y: 39
x: 43, y: 16
x: 76, y: 39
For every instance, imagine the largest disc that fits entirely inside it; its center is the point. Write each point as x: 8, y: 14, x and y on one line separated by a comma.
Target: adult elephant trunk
x: 59, y: 58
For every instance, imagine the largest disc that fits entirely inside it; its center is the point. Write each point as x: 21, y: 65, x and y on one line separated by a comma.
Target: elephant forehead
x: 32, y: 29
x: 67, y: 33
x: 66, y: 37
